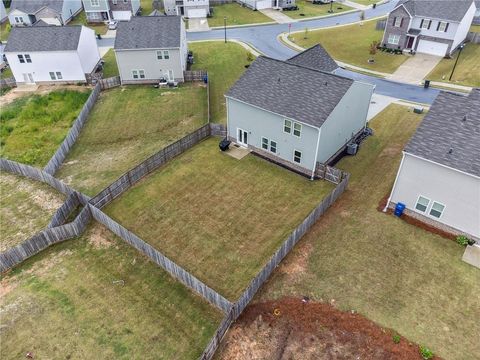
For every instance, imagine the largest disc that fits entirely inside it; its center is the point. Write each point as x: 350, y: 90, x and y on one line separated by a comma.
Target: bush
x: 426, y: 353
x: 373, y: 47
x: 462, y: 240
x: 396, y: 338
x: 250, y: 57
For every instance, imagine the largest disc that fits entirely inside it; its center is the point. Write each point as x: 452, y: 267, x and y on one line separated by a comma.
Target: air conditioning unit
x: 352, y: 148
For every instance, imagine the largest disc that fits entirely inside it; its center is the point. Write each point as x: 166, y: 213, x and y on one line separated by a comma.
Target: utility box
x: 399, y: 208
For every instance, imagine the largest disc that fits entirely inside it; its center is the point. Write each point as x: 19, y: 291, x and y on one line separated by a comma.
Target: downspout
x: 395, y: 183
x: 316, y: 155
x: 226, y: 104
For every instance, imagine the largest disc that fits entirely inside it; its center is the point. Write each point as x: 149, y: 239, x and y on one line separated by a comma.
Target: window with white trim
x: 95, y: 3
x: 52, y: 75
x: 297, y: 129
x: 425, y: 24
x: 18, y: 19
x: 28, y: 59
x: 59, y: 75
x: 422, y: 204
x: 393, y: 39
x: 142, y: 74
x: 437, y: 210
x: 166, y: 55
x: 114, y: 2
x: 297, y: 156
x: 21, y: 59
x: 442, y: 26
x: 135, y: 74
x: 273, y: 146
x: 397, y: 22
x: 159, y: 54
x: 264, y: 143
x: 287, y: 126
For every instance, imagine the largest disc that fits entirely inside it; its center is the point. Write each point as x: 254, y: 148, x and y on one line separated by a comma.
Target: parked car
x: 112, y: 25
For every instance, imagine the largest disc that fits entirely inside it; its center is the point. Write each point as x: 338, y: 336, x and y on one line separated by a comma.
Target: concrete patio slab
x: 415, y: 69
x: 472, y: 255
x: 278, y: 16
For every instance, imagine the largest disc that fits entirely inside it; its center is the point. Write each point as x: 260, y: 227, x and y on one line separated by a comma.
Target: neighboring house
x: 54, y: 12
x: 188, y: 8
x: 429, y: 26
x: 439, y: 176
x: 267, y: 4
x: 52, y: 54
x: 476, y: 18
x: 106, y: 10
x: 149, y: 48
x: 316, y: 58
x: 3, y: 13
x: 296, y: 116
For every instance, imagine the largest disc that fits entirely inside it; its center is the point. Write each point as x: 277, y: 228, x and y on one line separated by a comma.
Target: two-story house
x: 52, y: 54
x: 429, y: 26
x: 439, y: 176
x: 188, y: 8
x: 106, y: 10
x: 53, y: 12
x: 295, y: 115
x: 148, y: 48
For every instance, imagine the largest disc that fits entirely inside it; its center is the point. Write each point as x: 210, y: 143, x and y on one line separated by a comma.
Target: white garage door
x: 432, y: 47
x: 264, y: 4
x: 121, y: 15
x: 197, y: 13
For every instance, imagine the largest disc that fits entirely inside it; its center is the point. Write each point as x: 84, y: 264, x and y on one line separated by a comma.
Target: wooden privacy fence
x: 194, y: 75
x: 44, y: 239
x: 39, y: 175
x: 61, y: 215
x: 110, y: 82
x: 218, y: 130
x: 473, y: 37
x: 57, y: 159
x: 329, y: 173
x: 274, y: 261
x: 131, y: 177
x: 168, y: 265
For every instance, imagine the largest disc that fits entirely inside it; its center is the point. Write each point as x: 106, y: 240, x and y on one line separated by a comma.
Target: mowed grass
x: 396, y: 274
x: 5, y: 29
x: 95, y: 297
x: 26, y: 207
x: 81, y: 19
x: 467, y: 71
x: 147, y: 7
x: 110, y: 67
x: 366, y: 2
x: 225, y: 64
x: 126, y: 126
x: 351, y: 44
x: 309, y: 9
x: 218, y: 217
x: 236, y: 15
x: 32, y: 127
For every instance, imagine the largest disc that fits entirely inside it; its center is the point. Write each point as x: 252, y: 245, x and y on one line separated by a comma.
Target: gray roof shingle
x: 316, y: 58
x: 290, y: 90
x: 32, y: 6
x: 43, y: 38
x: 149, y: 32
x: 450, y: 133
x: 453, y: 10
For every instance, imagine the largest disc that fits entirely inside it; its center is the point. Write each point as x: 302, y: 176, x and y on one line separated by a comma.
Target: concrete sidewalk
x: 198, y: 24
x: 415, y: 69
x: 278, y: 16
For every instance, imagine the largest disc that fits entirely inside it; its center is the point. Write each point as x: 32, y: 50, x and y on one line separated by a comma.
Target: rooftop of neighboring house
x: 300, y: 93
x: 316, y: 58
x: 33, y: 6
x: 149, y: 32
x: 452, y: 10
x: 44, y: 38
x: 450, y: 133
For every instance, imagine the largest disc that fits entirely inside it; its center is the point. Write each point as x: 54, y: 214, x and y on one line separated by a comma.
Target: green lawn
x: 308, y: 9
x: 236, y: 15
x: 6, y: 73
x: 69, y: 302
x: 218, y: 217
x: 127, y: 125
x: 396, y: 274
x: 110, y: 67
x: 467, y: 71
x: 366, y: 2
x: 81, y: 19
x: 475, y: 28
x: 26, y: 208
x: 5, y: 31
x: 32, y: 127
x: 225, y: 63
x: 147, y: 7
x: 351, y: 44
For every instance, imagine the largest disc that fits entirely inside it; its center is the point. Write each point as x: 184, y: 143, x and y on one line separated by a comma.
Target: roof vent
x: 450, y: 151
x: 464, y: 117
x: 325, y: 83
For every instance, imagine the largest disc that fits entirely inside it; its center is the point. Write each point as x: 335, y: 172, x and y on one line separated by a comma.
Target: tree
x: 305, y: 34
x: 374, y: 47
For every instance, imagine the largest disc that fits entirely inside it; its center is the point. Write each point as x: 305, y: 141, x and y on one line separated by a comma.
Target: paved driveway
x: 198, y: 24
x: 415, y: 69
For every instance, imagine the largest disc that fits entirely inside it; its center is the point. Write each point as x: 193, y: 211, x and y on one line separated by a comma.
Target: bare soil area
x: 40, y: 90
x: 293, y: 328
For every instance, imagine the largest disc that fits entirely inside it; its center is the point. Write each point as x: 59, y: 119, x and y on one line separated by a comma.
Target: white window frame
x: 299, y: 157
x: 28, y: 58
x: 19, y: 20
x: 444, y: 24
x: 166, y: 54
x: 266, y: 143
x: 159, y: 54
x: 287, y: 127
x: 59, y: 75
x: 21, y: 58
x: 95, y: 3
x: 273, y: 147
x: 397, y: 20
x: 441, y: 212
x: 426, y: 24
x: 299, y: 131
x: 141, y: 74
x: 135, y: 73
x: 393, y: 39
x: 426, y: 207
x: 114, y: 2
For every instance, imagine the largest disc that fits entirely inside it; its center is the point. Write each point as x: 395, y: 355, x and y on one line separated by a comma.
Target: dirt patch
x: 41, y: 90
x: 299, y: 262
x: 42, y: 267
x: 6, y: 286
x: 293, y: 329
x: 98, y: 237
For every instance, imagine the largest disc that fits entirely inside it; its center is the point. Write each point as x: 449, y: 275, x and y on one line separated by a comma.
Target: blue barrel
x: 205, y: 79
x: 399, y: 209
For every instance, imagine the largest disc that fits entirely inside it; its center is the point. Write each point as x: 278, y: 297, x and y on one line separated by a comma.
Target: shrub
x: 396, y: 338
x: 250, y: 57
x: 426, y: 353
x: 373, y: 47
x: 462, y: 240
